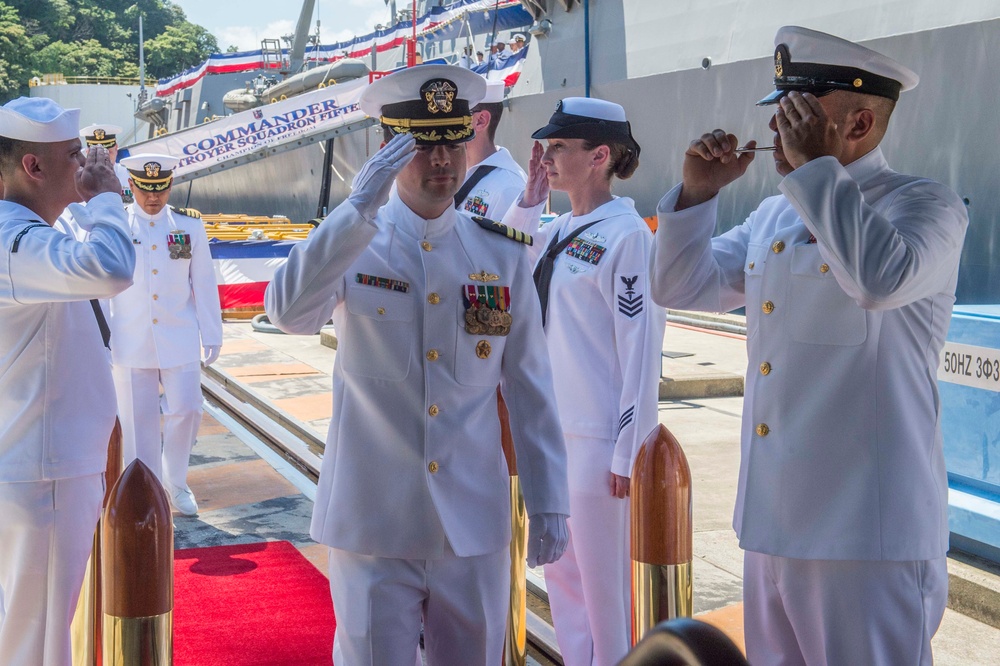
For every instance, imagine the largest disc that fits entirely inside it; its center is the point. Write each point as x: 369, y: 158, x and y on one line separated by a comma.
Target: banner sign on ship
x: 263, y: 127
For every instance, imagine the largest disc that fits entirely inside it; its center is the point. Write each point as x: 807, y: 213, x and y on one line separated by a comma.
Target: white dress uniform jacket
x: 156, y: 323
x: 58, y: 398
x: 497, y: 190
x: 603, y: 332
x: 413, y: 456
x: 848, y: 280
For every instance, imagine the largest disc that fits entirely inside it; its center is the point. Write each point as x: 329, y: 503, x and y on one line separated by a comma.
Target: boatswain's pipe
x: 138, y: 587
x: 515, y: 649
x: 85, y: 629
x: 661, y: 533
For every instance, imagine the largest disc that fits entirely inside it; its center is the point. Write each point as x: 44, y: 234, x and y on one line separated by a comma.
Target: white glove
x: 547, y: 538
x: 374, y: 182
x: 211, y: 354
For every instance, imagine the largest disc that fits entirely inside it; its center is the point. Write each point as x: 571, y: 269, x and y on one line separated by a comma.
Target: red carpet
x: 260, y: 604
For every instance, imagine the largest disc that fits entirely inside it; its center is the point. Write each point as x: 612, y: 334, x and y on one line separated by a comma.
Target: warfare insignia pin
x: 483, y: 276
x: 483, y: 349
x: 179, y: 244
x: 439, y: 95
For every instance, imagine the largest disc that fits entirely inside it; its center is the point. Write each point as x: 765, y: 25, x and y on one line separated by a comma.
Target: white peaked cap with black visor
x: 39, y: 120
x: 815, y: 62
x: 151, y: 172
x: 431, y: 102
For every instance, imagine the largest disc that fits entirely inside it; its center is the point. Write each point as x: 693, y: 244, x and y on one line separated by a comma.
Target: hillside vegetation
x: 95, y: 38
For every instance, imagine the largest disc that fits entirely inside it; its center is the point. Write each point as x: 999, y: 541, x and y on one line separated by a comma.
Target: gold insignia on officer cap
x: 101, y: 134
x: 814, y: 62
x: 440, y: 95
x: 151, y: 172
x: 431, y: 102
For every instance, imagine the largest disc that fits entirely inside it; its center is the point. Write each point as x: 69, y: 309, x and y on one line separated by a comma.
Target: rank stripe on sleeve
x: 626, y: 419
x: 630, y: 303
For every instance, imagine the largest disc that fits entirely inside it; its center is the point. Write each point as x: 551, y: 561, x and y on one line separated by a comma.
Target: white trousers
x: 830, y: 612
x: 589, y: 587
x: 46, y: 532
x: 379, y: 603
x: 139, y: 407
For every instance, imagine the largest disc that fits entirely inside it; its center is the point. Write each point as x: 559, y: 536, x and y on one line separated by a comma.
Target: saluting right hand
x: 536, y: 190
x: 710, y: 163
x: 374, y: 182
x: 97, y: 175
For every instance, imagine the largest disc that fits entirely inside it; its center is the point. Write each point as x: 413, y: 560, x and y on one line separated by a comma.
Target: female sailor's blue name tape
x: 503, y: 230
x: 382, y: 282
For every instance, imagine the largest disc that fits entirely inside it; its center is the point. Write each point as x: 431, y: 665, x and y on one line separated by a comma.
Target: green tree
x: 15, y: 51
x: 179, y: 47
x: 86, y: 58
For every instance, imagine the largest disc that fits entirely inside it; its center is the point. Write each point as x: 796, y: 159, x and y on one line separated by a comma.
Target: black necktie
x: 102, y: 323
x: 543, y: 271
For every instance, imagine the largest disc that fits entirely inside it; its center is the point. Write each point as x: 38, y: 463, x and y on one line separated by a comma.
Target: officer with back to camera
x: 433, y: 309
x: 848, y: 278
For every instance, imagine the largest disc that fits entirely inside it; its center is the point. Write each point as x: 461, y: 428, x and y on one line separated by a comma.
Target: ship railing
x: 60, y: 80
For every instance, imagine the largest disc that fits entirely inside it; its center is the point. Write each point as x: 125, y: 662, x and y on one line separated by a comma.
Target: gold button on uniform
x: 153, y: 248
x: 427, y: 246
x: 433, y: 467
x: 381, y: 311
x: 768, y: 307
x: 432, y: 355
x: 765, y: 368
x: 433, y: 411
x: 750, y: 266
x: 433, y: 298
x: 824, y: 268
x: 762, y: 429
x: 152, y: 224
x: 778, y: 246
x: 155, y: 272
x: 155, y: 297
x: 155, y: 321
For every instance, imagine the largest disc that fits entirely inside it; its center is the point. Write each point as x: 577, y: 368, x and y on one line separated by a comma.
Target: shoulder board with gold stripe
x: 190, y: 212
x: 503, y: 230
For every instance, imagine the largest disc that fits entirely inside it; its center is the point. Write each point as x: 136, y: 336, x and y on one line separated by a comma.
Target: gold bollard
x: 515, y: 649
x: 85, y: 629
x: 138, y: 589
x: 661, y: 533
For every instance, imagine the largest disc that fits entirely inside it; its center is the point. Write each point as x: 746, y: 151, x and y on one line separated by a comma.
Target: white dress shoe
x: 182, y: 499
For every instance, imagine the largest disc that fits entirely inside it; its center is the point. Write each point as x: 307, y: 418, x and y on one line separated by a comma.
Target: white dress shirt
x: 57, y: 399
x: 497, y: 190
x: 604, y: 335
x: 848, y: 279
x: 413, y: 461
x: 158, y: 321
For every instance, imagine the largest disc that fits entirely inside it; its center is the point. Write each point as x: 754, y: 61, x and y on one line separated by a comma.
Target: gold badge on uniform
x: 99, y: 134
x: 487, y: 310
x: 179, y: 245
x: 483, y: 349
x: 483, y: 276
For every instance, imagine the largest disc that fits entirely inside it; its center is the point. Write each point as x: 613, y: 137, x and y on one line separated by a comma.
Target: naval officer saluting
x: 433, y: 309
x: 160, y: 326
x: 848, y: 277
x: 57, y: 405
